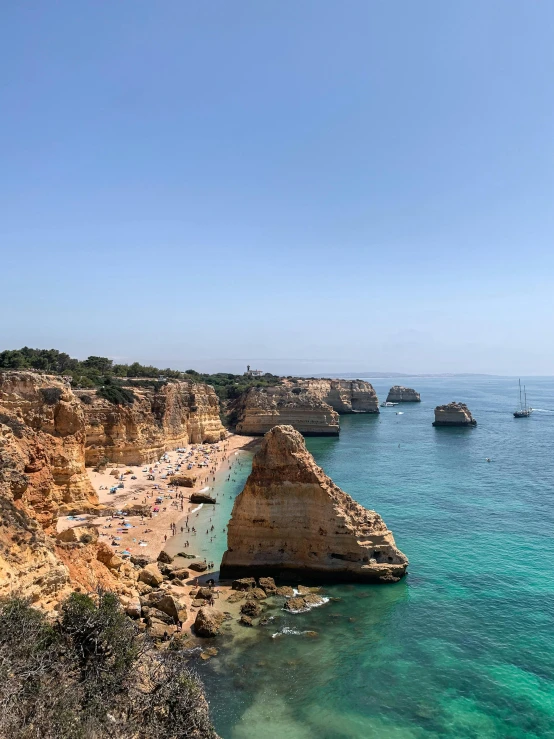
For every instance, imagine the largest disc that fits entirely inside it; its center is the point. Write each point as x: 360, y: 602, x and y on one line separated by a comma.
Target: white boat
x: 386, y: 404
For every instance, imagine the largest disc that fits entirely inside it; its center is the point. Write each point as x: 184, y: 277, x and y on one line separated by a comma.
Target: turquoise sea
x: 464, y: 646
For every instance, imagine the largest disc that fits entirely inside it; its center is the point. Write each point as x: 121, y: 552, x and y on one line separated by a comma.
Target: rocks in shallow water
x: 165, y: 557
x: 184, y: 555
x: 295, y: 604
x: 285, y: 590
x: 291, y: 518
x: 208, y: 621
x: 304, y: 603
x: 245, y: 583
x: 151, y: 575
x: 267, y: 584
x: 453, y: 414
x: 251, y: 608
x: 401, y: 394
x: 257, y: 594
x: 245, y: 620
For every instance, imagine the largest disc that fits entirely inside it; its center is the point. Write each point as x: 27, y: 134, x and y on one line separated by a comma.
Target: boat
x: 386, y: 404
x: 524, y: 411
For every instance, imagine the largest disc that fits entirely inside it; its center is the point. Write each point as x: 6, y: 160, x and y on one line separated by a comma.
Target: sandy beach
x: 147, y: 534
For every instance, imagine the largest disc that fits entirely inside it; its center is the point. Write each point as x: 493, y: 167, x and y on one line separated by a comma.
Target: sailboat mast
x: 520, y: 405
x: 525, y: 395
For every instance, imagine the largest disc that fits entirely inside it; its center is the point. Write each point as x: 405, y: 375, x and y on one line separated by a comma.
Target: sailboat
x: 523, y: 411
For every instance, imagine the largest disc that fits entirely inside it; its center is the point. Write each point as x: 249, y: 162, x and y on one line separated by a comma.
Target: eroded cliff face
x: 401, y: 394
x: 43, y: 439
x: 291, y: 519
x: 262, y: 408
x: 453, y: 414
x: 42, y: 476
x: 344, y: 396
x: 179, y: 413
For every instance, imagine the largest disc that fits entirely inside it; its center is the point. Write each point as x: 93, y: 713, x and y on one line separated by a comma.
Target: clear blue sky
x: 308, y: 186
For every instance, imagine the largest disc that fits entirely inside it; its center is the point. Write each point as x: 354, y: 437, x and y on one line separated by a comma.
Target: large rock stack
x: 453, y: 414
x: 292, y: 520
x: 401, y: 394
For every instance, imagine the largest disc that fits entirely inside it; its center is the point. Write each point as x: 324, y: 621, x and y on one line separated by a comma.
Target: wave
x: 287, y: 631
x: 198, y: 507
x: 308, y: 607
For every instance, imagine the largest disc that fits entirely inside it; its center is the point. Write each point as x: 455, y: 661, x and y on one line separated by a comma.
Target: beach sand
x: 145, y: 535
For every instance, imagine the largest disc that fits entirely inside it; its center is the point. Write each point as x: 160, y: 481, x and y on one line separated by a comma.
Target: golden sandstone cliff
x: 311, y: 406
x: 42, y: 476
x: 179, y: 413
x: 43, y: 436
x: 291, y: 519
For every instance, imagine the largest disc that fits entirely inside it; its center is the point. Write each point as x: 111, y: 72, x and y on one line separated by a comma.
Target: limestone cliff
x: 453, y: 414
x: 401, y: 394
x: 177, y: 414
x: 292, y: 520
x: 42, y: 475
x: 262, y: 408
x: 43, y: 440
x: 344, y: 396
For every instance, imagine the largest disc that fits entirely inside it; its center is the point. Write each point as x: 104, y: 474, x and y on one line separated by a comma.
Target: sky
x: 306, y: 186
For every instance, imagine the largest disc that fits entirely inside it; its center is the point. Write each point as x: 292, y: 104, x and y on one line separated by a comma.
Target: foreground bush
x: 91, y: 676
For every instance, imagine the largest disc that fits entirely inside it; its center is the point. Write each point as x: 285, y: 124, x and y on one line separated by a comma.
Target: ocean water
x: 464, y: 646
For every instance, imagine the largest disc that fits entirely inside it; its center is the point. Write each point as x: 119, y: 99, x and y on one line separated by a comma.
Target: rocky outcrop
x: 180, y: 413
x: 344, y: 396
x: 262, y: 408
x: 291, y: 519
x: 453, y: 414
x: 401, y: 394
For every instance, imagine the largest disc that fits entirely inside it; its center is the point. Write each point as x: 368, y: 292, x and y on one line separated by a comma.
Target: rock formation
x: 180, y: 413
x: 344, y: 396
x: 262, y: 408
x: 400, y: 394
x: 453, y: 414
x: 42, y: 444
x: 291, y: 519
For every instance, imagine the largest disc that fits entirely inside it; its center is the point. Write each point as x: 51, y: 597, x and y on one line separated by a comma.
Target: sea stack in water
x: 292, y: 520
x: 400, y: 394
x: 453, y: 414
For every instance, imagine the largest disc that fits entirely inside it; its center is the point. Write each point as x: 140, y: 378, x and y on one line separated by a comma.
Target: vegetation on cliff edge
x: 90, y: 675
x: 99, y: 372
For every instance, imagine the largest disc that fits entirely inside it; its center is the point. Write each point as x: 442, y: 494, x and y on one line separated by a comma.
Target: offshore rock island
x: 291, y: 519
x: 311, y: 406
x: 453, y: 414
x: 401, y: 394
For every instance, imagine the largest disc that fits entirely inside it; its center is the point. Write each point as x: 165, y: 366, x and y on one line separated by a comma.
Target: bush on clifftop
x: 90, y: 674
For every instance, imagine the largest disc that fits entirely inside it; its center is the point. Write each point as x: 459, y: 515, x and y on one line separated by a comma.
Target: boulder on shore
x: 208, y: 621
x: 401, y: 394
x: 201, y: 498
x: 151, y: 575
x: 200, y: 566
x: 453, y: 414
x: 291, y: 519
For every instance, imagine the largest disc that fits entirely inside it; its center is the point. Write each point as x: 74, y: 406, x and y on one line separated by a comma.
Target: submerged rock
x: 453, y: 414
x: 291, y: 518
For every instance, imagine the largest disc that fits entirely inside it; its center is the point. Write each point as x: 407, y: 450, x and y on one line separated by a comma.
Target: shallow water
x: 464, y: 646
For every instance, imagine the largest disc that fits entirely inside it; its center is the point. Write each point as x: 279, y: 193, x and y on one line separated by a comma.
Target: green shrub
x: 117, y: 395
x: 91, y: 676
x: 51, y: 395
